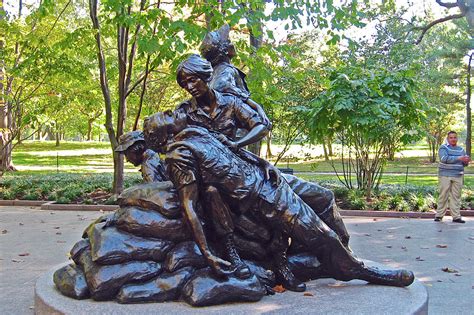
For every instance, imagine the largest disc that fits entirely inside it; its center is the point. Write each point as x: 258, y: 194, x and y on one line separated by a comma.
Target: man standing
x: 452, y: 160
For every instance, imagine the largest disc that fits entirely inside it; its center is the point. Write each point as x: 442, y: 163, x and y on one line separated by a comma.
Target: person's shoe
x: 242, y: 271
x: 286, y: 277
x: 459, y: 221
x: 438, y: 219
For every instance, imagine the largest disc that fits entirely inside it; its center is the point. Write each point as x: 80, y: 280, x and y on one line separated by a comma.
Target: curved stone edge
x: 48, y: 300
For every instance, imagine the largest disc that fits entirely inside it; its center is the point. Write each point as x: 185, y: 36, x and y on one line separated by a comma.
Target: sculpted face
x: 159, y: 127
x: 193, y: 84
x: 134, y: 154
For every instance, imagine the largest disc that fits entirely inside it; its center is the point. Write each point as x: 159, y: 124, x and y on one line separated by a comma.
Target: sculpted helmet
x: 128, y: 139
x: 216, y: 45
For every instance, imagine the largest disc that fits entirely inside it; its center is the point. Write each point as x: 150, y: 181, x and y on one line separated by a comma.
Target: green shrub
x: 381, y: 204
x: 395, y: 202
x: 356, y: 200
x: 340, y: 192
x: 62, y: 188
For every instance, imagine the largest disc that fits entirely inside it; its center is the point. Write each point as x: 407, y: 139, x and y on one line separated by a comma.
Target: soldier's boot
x: 242, y: 271
x: 285, y: 276
x: 397, y: 277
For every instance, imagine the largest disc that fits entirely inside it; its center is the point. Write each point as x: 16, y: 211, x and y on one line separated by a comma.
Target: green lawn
x: 390, y: 179
x: 81, y: 172
x: 35, y: 157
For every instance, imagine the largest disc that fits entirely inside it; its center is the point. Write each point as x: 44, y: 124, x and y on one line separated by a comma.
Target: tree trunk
x: 255, y: 42
x: 117, y: 185
x: 6, y: 163
x: 326, y: 157
x: 269, y: 146
x: 330, y: 152
x: 89, y: 130
x: 432, y: 148
x: 468, y: 108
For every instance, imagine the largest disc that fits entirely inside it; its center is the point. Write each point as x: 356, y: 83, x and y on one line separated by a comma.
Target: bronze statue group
x: 212, y: 223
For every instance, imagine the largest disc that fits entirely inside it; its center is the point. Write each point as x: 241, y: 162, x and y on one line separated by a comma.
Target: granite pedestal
x: 323, y: 296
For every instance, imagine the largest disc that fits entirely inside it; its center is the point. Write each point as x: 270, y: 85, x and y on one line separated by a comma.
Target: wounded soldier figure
x: 196, y: 159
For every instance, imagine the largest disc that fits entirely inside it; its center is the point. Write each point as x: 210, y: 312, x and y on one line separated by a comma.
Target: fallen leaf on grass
x: 279, y: 289
x: 446, y: 269
x: 308, y: 294
x: 4, y: 231
x: 441, y: 246
x: 24, y: 254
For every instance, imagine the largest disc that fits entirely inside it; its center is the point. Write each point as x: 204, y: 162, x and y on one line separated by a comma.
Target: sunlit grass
x: 43, y: 157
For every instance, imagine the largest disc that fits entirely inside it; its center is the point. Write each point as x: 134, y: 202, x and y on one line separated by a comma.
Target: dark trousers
x: 321, y: 200
x: 289, y: 214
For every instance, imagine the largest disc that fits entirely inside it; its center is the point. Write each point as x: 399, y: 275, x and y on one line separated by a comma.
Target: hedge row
x: 96, y: 188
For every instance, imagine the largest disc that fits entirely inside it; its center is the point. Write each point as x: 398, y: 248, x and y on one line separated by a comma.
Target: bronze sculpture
x: 218, y: 230
x: 132, y: 145
x: 226, y: 78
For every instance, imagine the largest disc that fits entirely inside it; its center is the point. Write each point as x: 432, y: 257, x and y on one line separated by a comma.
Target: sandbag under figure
x: 132, y: 145
x: 195, y: 158
x: 226, y: 78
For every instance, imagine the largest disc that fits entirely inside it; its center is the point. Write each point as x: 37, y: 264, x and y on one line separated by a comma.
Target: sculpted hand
x: 272, y: 173
x: 219, y: 266
x: 233, y: 146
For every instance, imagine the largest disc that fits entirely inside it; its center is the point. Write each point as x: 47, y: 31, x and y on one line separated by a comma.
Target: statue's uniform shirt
x: 152, y: 168
x: 228, y: 79
x: 231, y: 114
x: 197, y: 157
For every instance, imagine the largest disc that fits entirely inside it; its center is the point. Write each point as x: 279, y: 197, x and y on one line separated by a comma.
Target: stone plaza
x: 34, y: 241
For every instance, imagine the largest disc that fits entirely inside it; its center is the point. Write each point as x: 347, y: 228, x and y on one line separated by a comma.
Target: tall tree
x: 3, y: 109
x: 465, y: 10
x: 468, y: 106
x: 29, y: 66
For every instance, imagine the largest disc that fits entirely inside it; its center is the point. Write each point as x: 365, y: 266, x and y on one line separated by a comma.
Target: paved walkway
x: 33, y: 241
